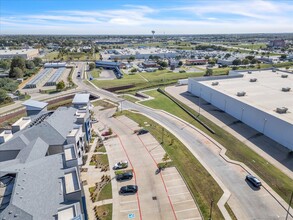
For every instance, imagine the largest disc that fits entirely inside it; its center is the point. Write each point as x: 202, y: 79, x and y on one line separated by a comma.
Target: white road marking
x: 129, y: 210
x: 186, y: 210
x: 128, y: 202
x: 174, y: 203
x: 176, y: 186
x: 179, y: 194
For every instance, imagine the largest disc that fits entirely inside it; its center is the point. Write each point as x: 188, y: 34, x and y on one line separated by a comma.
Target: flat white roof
x: 6, y: 134
x: 81, y: 98
x: 23, y: 51
x: 67, y: 213
x: 34, y: 103
x: 265, y: 94
x: 73, y: 132
x: 22, y: 122
x: 71, y: 182
x: 69, y: 153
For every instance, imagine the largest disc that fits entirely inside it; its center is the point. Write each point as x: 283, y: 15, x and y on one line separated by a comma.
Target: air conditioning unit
x: 241, y: 93
x: 282, y: 110
x: 284, y: 76
x: 215, y: 83
x: 286, y: 89
x: 253, y: 80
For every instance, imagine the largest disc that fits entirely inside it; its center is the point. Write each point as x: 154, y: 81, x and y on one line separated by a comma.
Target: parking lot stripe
x: 193, y: 218
x: 169, y: 187
x: 128, y: 202
x: 179, y: 194
x: 171, y: 180
x: 160, y: 172
x: 189, y: 200
x: 168, y: 174
x: 186, y: 210
x: 128, y: 210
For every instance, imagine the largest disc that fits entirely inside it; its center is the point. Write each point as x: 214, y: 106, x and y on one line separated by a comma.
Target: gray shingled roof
x: 37, y: 190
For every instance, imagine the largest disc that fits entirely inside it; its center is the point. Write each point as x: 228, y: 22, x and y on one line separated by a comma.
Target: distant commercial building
x: 143, y: 53
x: 269, y: 59
x: 40, y: 168
x: 196, y: 62
x: 115, y: 66
x: 25, y: 53
x: 149, y: 64
x: 277, y: 43
x: 239, y: 95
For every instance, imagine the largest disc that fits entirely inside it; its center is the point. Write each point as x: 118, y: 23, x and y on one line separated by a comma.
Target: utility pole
x: 162, y: 134
x: 289, y: 205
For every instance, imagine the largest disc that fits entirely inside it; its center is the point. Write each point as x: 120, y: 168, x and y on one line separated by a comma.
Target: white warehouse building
x: 261, y: 99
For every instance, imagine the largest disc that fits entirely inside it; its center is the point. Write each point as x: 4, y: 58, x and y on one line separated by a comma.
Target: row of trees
x: 7, y: 85
x: 19, y: 66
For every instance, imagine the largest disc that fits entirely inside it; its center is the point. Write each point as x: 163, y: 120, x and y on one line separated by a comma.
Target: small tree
x: 37, y: 61
x: 18, y: 62
x: 16, y: 72
x: 91, y: 66
x: 60, y: 86
x: 30, y: 64
x: 209, y: 72
x: 180, y: 63
x: 3, y: 95
x: 236, y: 62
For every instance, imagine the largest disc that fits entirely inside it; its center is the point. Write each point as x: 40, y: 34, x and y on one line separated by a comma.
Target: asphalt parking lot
x: 156, y: 193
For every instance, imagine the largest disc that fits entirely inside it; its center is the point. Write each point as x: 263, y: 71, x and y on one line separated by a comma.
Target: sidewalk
x: 264, y: 146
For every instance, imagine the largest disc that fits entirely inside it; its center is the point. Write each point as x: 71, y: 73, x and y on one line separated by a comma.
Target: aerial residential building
x: 40, y: 163
x: 280, y: 43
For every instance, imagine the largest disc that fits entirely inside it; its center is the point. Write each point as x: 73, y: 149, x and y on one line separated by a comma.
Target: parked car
x: 94, y: 121
x: 142, y: 131
x: 120, y: 165
x: 129, y: 189
x: 253, y: 180
x: 106, y: 133
x: 124, y: 176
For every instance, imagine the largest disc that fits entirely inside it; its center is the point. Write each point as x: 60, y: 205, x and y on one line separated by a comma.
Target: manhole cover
x: 154, y: 198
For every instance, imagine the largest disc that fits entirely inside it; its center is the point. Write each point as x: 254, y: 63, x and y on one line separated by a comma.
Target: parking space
x: 183, y: 203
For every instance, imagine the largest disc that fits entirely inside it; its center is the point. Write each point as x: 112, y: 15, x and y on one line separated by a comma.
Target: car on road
x: 120, y: 165
x: 124, y: 176
x: 252, y: 179
x: 94, y: 121
x: 129, y: 189
x: 142, y: 131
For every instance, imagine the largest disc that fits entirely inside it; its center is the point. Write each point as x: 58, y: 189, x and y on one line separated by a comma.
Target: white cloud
x: 208, y: 17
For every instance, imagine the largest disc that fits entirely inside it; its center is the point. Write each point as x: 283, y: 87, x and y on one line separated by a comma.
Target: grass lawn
x: 50, y: 56
x: 100, y: 149
x: 104, y: 104
x: 104, y: 212
x: 95, y: 73
x: 106, y: 192
x: 100, y: 158
x: 236, y: 150
x: 54, y: 106
x: 202, y: 185
x: 252, y: 46
x: 129, y: 98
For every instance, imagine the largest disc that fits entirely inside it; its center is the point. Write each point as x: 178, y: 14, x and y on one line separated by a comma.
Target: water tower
x: 153, y: 32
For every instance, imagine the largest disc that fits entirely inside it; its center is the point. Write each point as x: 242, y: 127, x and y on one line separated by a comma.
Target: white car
x: 120, y: 165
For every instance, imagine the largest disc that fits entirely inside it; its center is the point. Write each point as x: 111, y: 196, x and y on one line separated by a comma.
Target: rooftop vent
x: 284, y: 76
x: 215, y: 83
x: 282, y: 110
x: 286, y: 89
x: 249, y: 72
x: 241, y: 93
x: 253, y: 80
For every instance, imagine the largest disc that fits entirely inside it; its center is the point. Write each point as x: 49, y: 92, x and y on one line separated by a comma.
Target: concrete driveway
x: 154, y: 198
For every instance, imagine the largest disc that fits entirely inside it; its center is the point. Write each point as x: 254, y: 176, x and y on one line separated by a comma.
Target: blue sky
x: 142, y: 16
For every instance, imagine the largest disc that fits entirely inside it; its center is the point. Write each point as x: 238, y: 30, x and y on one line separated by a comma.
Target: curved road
x: 246, y: 202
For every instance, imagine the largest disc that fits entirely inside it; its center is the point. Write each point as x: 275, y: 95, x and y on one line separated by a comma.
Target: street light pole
x: 289, y: 205
x: 211, y: 209
x: 162, y: 135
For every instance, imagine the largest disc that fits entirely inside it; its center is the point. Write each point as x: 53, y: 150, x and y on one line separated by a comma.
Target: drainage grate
x: 154, y: 198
